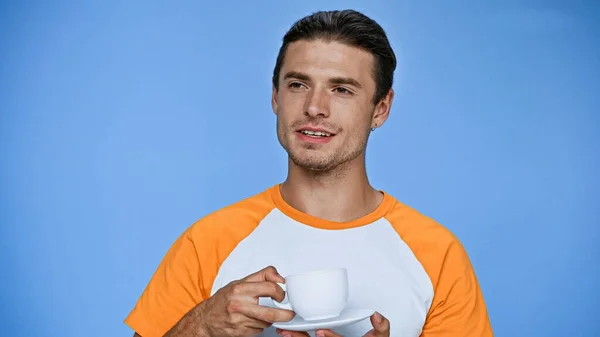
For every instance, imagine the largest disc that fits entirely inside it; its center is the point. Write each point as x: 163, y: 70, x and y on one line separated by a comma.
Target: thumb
x: 266, y: 274
x: 381, y: 326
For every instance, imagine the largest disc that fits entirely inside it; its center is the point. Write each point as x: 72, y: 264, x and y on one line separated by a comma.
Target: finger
x: 266, y: 274
x: 287, y: 333
x: 264, y: 313
x: 253, y: 323
x: 259, y: 289
x: 326, y: 333
x: 381, y: 326
x: 250, y: 331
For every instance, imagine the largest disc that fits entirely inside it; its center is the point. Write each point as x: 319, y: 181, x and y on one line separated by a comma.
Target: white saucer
x: 348, y: 316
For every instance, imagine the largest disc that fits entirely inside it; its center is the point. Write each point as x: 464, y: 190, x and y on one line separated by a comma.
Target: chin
x: 315, y: 166
x: 313, y: 162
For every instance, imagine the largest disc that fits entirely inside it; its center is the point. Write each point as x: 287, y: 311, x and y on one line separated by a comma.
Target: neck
x: 341, y: 195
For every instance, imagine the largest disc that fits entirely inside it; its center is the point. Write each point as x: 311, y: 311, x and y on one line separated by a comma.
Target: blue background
x: 124, y: 122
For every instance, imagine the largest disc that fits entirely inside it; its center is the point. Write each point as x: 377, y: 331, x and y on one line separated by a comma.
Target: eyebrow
x: 334, y: 80
x: 296, y: 75
x: 345, y: 80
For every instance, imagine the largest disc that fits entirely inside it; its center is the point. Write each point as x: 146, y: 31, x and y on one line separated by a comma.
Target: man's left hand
x: 381, y: 328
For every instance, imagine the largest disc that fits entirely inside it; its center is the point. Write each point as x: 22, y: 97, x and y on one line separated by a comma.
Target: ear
x: 274, y: 102
x: 382, y: 110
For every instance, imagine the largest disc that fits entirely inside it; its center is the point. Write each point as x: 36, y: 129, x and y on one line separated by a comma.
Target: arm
x: 190, y: 325
x: 173, y: 293
x: 458, y: 308
x: 178, y: 300
x: 233, y: 309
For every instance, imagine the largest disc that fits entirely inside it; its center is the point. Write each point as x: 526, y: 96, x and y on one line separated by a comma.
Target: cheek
x: 359, y: 131
x: 358, y: 135
x: 289, y: 101
x: 353, y: 119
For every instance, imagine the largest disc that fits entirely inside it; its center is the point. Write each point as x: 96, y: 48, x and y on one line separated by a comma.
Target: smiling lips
x: 314, y: 135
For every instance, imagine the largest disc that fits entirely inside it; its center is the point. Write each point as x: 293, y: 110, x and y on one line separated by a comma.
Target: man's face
x: 324, y: 103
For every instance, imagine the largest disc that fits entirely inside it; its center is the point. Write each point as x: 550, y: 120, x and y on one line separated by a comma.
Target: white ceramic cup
x: 316, y: 295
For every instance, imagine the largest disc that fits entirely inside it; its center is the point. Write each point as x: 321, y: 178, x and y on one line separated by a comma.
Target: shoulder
x: 457, y: 304
x: 186, y: 274
x: 203, y: 247
x: 434, y: 245
x: 412, y: 225
x: 235, y: 220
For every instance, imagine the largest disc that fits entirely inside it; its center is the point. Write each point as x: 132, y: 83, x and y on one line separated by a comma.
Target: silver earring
x: 373, y: 129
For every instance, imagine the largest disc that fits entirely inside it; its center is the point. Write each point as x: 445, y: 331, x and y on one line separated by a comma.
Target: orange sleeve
x: 185, y: 276
x: 458, y: 308
x: 175, y: 288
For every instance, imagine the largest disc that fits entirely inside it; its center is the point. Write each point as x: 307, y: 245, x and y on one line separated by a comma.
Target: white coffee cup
x: 315, y: 295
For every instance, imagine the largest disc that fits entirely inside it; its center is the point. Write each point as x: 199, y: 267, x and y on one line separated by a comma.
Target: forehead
x: 322, y: 60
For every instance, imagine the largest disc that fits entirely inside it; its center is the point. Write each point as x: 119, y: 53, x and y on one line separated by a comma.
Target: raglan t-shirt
x: 400, y: 263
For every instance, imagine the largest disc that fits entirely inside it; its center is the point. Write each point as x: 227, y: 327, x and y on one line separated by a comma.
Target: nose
x: 317, y: 104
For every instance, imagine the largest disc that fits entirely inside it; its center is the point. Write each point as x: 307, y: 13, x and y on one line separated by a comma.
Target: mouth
x: 316, y: 133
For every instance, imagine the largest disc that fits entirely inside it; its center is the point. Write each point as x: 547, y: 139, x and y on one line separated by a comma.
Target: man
x: 332, y: 86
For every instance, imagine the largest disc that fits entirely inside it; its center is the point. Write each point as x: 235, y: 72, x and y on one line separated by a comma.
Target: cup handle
x: 285, y: 304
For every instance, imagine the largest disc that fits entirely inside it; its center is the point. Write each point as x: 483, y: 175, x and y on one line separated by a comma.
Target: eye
x: 343, y: 91
x: 295, y: 85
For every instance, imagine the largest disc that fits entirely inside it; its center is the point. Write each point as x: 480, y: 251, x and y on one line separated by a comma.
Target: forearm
x: 191, y: 325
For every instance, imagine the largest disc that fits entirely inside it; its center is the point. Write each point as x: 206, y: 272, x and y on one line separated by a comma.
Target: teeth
x: 316, y: 133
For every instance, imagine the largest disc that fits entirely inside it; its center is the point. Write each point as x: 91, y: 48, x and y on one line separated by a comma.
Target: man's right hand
x: 233, y: 311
